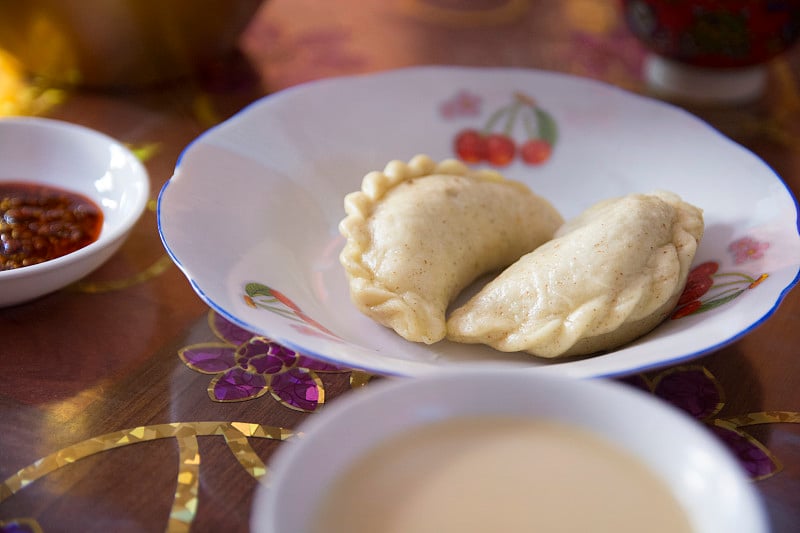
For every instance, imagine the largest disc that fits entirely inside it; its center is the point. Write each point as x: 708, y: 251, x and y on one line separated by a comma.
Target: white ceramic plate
x: 706, y: 480
x: 81, y: 160
x: 251, y: 213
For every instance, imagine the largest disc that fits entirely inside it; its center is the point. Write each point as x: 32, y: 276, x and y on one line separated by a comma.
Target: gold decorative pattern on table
x: 161, y: 265
x: 184, y: 507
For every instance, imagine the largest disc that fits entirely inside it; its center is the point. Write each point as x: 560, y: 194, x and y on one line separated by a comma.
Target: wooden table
x: 114, y: 410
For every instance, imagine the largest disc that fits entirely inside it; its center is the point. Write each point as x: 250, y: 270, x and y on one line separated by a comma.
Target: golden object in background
x: 20, y: 97
x: 95, y: 43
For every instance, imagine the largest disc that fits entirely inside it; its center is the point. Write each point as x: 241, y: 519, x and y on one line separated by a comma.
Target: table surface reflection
x: 111, y: 418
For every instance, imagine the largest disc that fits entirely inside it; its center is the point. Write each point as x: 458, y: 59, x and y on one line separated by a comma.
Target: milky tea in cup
x: 498, y: 473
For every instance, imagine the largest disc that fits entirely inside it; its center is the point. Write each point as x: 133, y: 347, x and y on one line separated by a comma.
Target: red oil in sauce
x: 42, y: 222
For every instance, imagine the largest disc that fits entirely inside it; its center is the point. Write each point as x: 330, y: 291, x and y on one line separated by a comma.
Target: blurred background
x: 136, y: 44
x: 734, y: 63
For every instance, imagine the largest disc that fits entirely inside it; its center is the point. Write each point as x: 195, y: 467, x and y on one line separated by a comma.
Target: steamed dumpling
x: 419, y: 233
x: 609, y: 276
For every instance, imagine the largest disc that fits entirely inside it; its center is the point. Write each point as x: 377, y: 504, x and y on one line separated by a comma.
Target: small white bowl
x: 81, y: 160
x: 706, y: 480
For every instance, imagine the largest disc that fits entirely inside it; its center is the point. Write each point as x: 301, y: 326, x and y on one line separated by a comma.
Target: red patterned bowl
x: 715, y: 33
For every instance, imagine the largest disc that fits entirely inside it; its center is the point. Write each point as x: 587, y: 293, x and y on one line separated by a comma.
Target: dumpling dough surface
x: 610, y: 275
x: 418, y: 233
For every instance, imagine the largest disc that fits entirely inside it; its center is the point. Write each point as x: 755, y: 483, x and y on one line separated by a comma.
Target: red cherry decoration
x: 535, y: 151
x: 471, y: 146
x: 501, y: 149
x: 495, y: 143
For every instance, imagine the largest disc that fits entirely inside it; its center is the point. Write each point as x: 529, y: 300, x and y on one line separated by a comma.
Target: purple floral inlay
x: 229, y: 331
x: 294, y: 386
x: 236, y: 384
x: 247, y: 366
x: 696, y: 391
x: 691, y: 389
x: 753, y: 457
x: 20, y: 526
x: 212, y: 359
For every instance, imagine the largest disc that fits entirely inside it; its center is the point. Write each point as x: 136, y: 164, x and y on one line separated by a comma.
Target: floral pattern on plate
x: 258, y: 295
x: 720, y: 287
